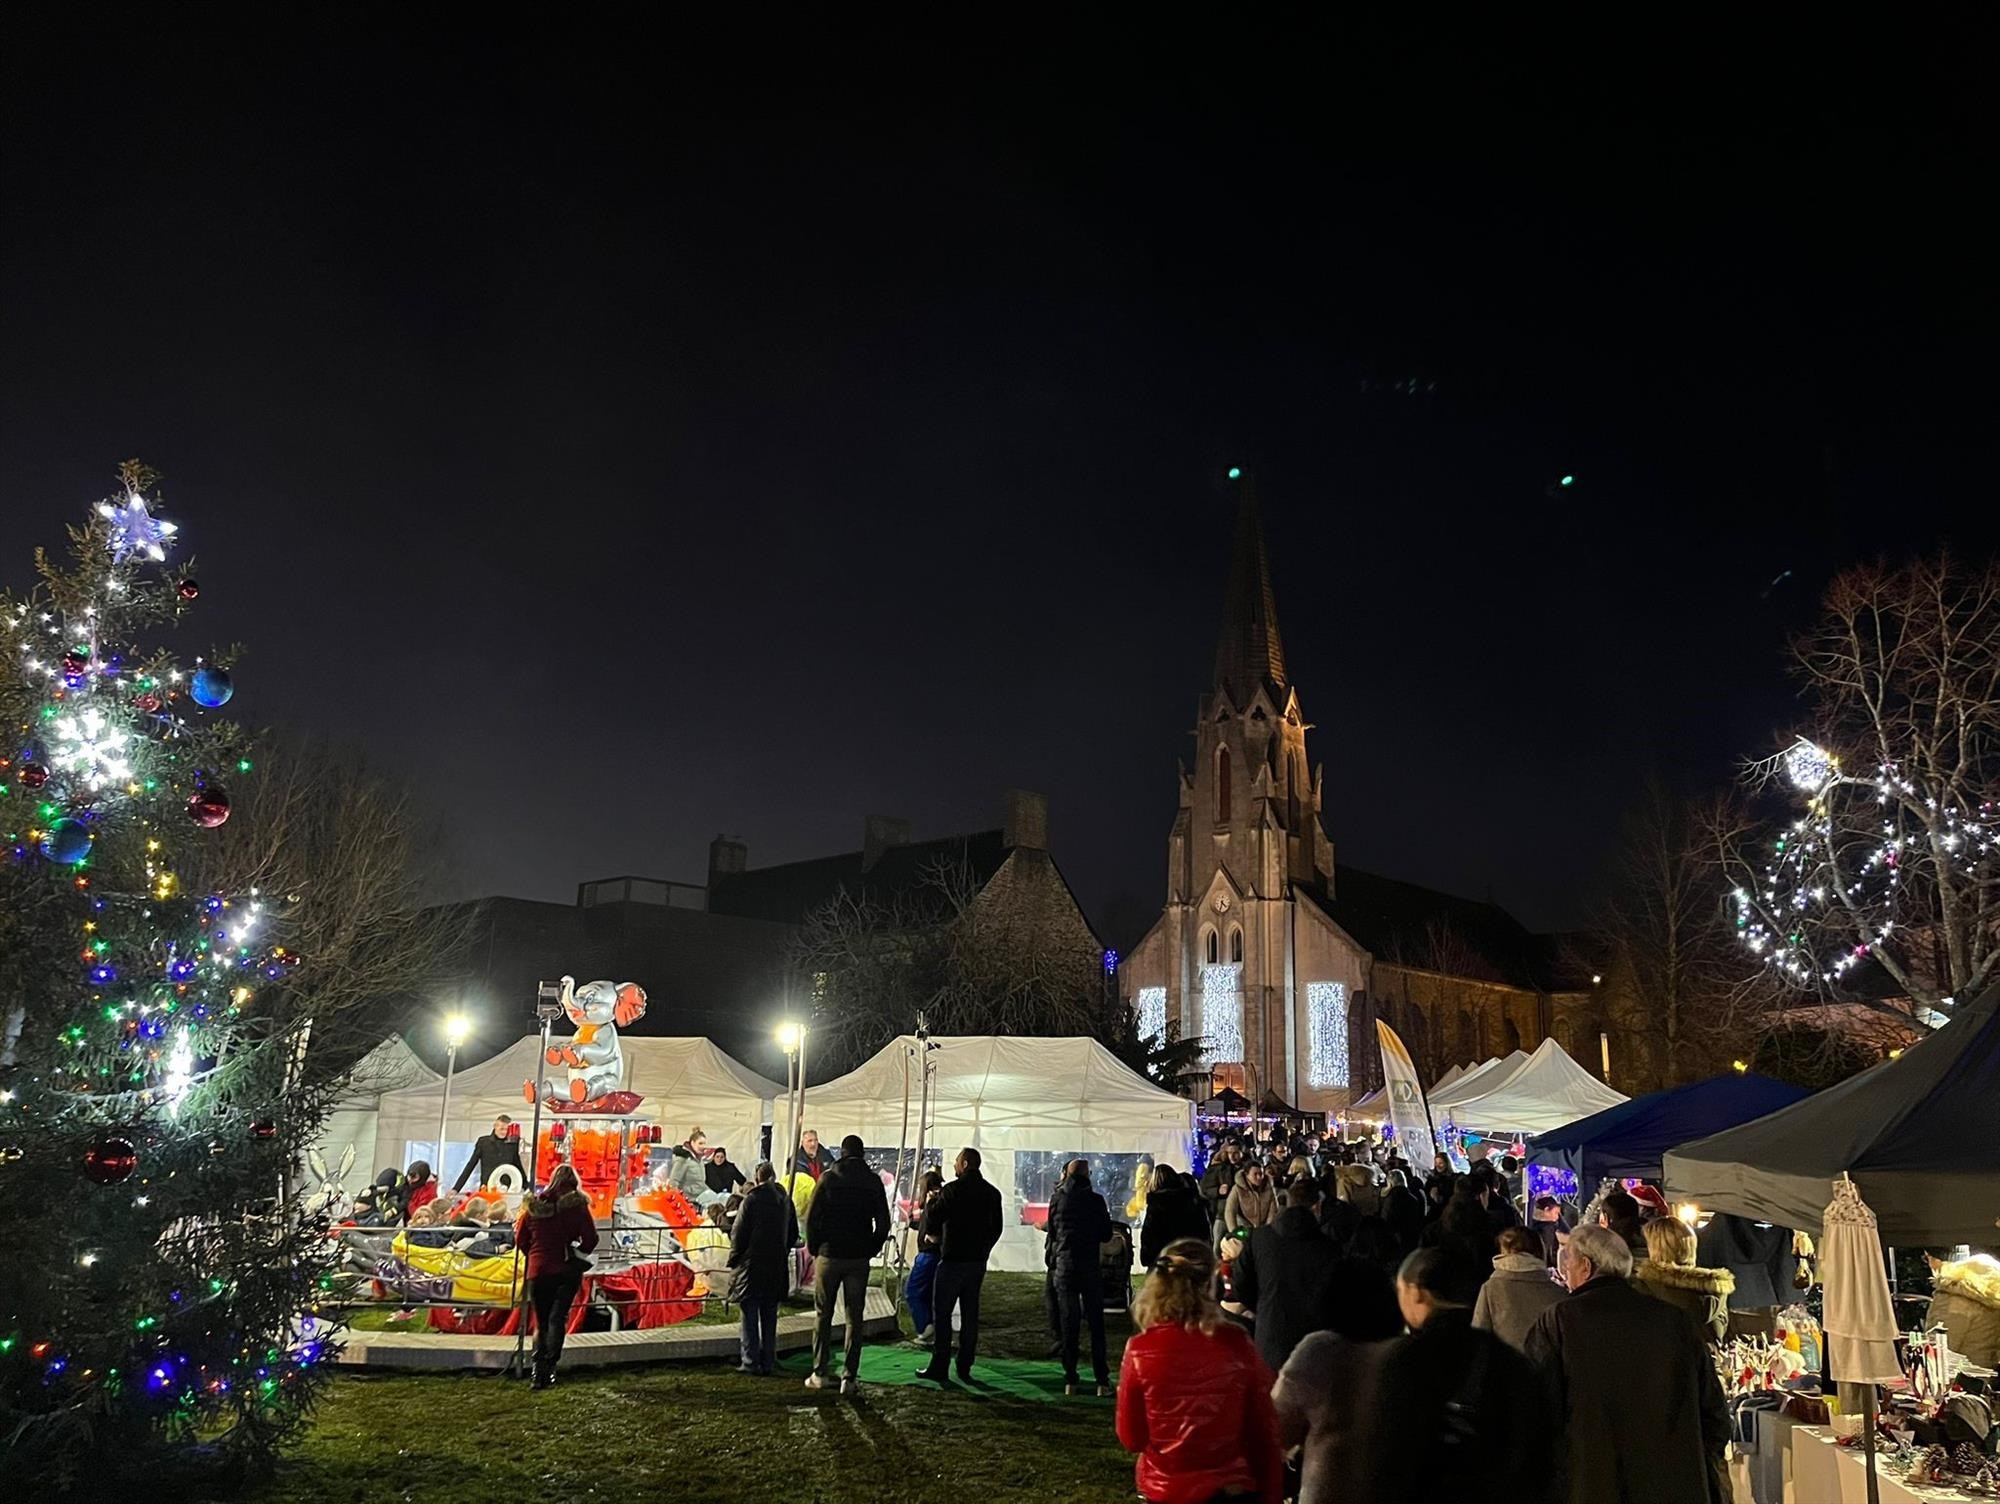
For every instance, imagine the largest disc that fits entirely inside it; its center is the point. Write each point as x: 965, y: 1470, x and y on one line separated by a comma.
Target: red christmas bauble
x: 187, y: 590
x: 75, y: 661
x: 263, y: 1128
x: 33, y: 775
x: 209, y: 807
x: 110, y: 1160
x: 148, y: 703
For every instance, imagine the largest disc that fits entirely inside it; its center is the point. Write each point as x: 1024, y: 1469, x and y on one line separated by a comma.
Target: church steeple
x: 1250, y: 651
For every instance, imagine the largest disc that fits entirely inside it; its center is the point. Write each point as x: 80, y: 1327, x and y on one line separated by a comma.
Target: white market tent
x: 1027, y: 1105
x: 1377, y: 1099
x: 1477, y: 1082
x: 1545, y: 1091
x: 685, y: 1082
x: 391, y: 1065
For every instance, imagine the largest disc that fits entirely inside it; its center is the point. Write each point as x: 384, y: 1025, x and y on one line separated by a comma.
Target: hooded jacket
x: 1171, y: 1214
x: 1702, y: 1293
x: 848, y: 1217
x: 1079, y: 1224
x: 547, y: 1228
x: 761, y: 1243
x: 687, y: 1174
x: 1519, y: 1291
x: 1196, y: 1407
x: 1284, y: 1274
x: 1248, y: 1206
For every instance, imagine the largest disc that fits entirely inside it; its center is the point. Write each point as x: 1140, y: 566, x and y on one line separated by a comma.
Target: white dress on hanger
x: 1860, y: 1322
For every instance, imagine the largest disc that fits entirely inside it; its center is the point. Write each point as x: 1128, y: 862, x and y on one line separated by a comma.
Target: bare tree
x: 1674, y: 984
x: 1895, y: 859
x: 344, y: 860
x: 872, y: 962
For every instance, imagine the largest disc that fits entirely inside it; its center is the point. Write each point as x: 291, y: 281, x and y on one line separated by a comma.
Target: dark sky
x: 630, y: 436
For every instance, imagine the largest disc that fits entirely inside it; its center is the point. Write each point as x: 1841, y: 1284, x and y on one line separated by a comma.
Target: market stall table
x: 1818, y: 1470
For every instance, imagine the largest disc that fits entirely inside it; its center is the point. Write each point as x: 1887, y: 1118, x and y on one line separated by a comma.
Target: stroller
x: 1114, y: 1262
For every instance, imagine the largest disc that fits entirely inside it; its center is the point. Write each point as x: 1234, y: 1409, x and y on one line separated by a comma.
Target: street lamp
x: 456, y: 1028
x: 792, y: 1040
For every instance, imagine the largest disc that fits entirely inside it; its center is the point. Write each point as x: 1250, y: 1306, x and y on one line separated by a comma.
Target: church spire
x: 1250, y: 651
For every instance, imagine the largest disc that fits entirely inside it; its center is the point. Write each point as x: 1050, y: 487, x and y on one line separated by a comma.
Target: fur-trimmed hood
x: 1719, y: 1282
x: 541, y: 1206
x: 1976, y: 1278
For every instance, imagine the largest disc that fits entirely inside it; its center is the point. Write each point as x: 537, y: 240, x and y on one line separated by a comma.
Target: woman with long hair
x: 555, y: 1232
x: 1194, y: 1399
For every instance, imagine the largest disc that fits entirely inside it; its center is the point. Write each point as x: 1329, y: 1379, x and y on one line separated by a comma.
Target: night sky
x: 632, y: 436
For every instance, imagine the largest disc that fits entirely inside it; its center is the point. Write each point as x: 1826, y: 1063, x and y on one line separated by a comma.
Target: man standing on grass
x: 846, y: 1226
x: 964, y: 1220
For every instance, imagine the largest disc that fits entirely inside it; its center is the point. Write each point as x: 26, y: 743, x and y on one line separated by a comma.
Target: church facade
x: 1280, y: 958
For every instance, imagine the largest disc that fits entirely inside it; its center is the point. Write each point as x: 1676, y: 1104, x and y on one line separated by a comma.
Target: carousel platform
x: 665, y: 1344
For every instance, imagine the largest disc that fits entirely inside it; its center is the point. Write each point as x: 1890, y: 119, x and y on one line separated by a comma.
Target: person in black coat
x: 1458, y: 1414
x: 964, y: 1219
x: 489, y: 1152
x: 1079, y: 1226
x: 1173, y: 1211
x: 722, y: 1176
x: 760, y: 1260
x: 1286, y: 1272
x: 847, y: 1222
x: 1644, y: 1415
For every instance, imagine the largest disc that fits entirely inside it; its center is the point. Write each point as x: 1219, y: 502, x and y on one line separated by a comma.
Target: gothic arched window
x: 1222, y: 783
x: 1211, y: 947
x: 1236, y: 945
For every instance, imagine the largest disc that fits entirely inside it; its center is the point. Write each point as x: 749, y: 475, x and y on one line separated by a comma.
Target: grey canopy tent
x: 1919, y: 1134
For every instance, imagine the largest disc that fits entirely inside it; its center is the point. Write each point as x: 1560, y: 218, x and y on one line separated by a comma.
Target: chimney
x: 878, y: 834
x: 1026, y: 822
x: 726, y: 855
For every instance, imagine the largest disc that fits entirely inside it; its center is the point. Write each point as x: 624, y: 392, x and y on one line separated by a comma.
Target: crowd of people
x: 1404, y: 1334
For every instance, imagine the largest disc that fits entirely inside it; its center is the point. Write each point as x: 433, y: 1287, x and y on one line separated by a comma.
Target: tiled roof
x: 1394, y: 920
x: 786, y: 894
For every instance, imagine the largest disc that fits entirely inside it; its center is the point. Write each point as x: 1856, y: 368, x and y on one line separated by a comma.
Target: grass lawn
x: 698, y: 1432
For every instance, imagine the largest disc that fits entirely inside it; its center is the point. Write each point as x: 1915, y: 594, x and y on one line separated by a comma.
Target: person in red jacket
x: 1194, y: 1399
x: 555, y: 1231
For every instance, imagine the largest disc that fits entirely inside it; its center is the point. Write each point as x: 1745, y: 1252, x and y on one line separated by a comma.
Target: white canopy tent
x: 1481, y: 1079
x: 1027, y: 1104
x: 1545, y: 1091
x: 686, y: 1082
x: 1378, y: 1099
x: 390, y: 1066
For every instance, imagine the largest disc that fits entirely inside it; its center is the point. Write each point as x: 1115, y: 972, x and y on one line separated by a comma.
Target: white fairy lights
x: 1828, y: 898
x: 1326, y: 1033
x: 1149, y: 1010
x: 1222, y: 1011
x: 88, y: 748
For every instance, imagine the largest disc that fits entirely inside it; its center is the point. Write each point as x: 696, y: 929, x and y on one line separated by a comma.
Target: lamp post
x: 456, y: 1027
x: 792, y: 1040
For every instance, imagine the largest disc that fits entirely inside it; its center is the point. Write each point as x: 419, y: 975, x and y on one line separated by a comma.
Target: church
x: 1282, y: 959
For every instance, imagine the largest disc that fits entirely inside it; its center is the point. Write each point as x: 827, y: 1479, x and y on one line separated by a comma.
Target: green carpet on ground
x: 1015, y: 1378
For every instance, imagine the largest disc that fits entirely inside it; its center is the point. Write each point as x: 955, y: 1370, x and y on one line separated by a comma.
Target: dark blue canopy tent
x: 1631, y: 1139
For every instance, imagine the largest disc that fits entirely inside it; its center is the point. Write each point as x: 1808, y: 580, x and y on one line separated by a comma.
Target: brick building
x: 1276, y: 954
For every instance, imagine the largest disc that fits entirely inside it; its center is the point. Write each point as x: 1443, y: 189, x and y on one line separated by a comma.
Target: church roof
x: 788, y: 892
x: 1250, y: 651
x: 1404, y: 923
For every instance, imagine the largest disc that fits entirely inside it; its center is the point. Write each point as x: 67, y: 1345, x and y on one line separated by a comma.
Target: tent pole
x: 528, y: 1189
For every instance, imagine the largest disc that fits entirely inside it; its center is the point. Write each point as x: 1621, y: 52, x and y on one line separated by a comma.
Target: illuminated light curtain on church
x: 1326, y: 1033
x: 1151, y: 1009
x: 1222, y: 1011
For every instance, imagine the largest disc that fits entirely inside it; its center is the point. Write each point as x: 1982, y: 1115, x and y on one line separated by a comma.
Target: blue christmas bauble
x: 211, y: 687
x: 68, y: 842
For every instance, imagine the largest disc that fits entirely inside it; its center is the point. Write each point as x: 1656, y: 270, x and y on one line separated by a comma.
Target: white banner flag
x: 1408, y: 1113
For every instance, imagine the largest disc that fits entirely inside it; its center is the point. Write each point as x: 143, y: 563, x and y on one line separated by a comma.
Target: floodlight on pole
x: 792, y: 1040
x: 457, y: 1029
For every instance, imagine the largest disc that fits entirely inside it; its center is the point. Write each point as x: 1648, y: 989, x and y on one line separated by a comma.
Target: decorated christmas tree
x: 156, y: 1306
